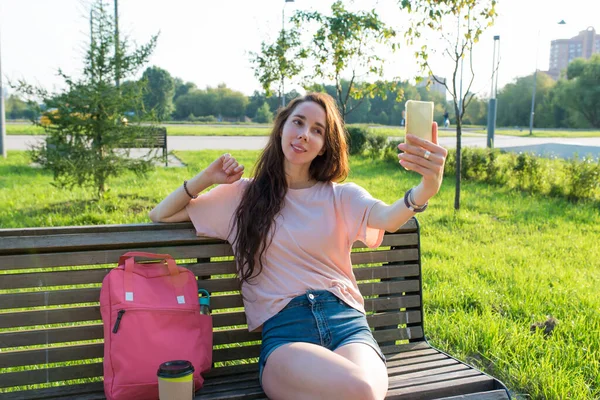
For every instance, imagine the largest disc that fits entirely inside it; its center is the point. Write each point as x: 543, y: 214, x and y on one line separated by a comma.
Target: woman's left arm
x: 427, y: 159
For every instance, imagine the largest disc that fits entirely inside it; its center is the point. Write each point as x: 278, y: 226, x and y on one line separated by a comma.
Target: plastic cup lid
x: 175, y: 369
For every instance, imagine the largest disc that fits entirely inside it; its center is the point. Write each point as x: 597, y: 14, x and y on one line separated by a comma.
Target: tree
x: 471, y: 17
x: 230, y: 103
x: 582, y: 92
x: 344, y: 46
x: 159, y: 92
x: 264, y: 114
x: 19, y: 109
x: 182, y: 88
x: 514, y: 101
x: 279, y: 61
x: 85, y: 137
x: 221, y: 100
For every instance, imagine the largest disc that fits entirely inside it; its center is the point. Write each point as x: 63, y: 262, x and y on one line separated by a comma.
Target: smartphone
x: 419, y: 119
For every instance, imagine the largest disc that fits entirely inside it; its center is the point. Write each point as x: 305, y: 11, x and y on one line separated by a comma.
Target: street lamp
x: 562, y: 22
x: 493, y: 106
x: 283, y: 34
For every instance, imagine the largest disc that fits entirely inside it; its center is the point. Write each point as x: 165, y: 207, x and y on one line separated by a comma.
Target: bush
x: 207, y: 118
x: 474, y: 163
x: 531, y: 175
x: 357, y: 139
x: 583, y: 178
x: 375, y: 145
x: 264, y: 114
x: 390, y: 153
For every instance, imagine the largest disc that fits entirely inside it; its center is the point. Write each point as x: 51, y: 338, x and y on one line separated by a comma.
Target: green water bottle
x: 204, y: 301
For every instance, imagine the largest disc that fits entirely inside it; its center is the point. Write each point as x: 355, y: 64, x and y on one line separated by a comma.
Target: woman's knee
x: 361, y: 388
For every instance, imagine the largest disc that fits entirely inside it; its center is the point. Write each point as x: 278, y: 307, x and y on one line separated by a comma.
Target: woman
x: 292, y: 228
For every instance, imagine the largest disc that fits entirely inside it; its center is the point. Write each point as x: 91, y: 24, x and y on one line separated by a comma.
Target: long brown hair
x: 265, y: 195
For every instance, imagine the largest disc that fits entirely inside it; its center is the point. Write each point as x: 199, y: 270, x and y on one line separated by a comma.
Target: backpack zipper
x: 116, y: 328
x: 121, y: 312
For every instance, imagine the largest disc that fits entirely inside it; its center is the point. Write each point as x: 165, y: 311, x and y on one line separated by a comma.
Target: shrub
x: 530, y: 174
x: 474, y: 163
x: 375, y: 145
x: 583, y: 179
x: 357, y: 139
x: 207, y: 118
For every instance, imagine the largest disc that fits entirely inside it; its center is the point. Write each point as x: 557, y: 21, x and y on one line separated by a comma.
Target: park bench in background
x: 50, y: 327
x: 146, y: 137
x: 136, y: 137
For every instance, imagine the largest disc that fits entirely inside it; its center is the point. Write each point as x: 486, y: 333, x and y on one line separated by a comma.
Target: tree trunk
x: 458, y: 158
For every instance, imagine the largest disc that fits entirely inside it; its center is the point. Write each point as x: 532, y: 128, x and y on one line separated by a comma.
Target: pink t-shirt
x: 311, y: 245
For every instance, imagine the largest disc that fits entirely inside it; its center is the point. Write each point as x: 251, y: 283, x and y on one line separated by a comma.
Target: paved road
x: 560, y: 147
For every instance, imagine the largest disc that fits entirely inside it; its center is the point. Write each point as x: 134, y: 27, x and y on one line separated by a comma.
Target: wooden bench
x: 51, y: 332
x: 138, y: 137
x: 145, y: 137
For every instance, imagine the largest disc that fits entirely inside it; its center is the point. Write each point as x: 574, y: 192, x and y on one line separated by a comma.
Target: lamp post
x: 493, y: 104
x: 283, y: 34
x: 562, y: 22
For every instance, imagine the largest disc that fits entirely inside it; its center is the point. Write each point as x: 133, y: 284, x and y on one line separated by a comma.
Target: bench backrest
x: 50, y: 326
x: 146, y: 137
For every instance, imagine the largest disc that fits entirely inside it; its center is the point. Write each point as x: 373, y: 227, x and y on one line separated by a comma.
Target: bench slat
x: 90, y: 276
x: 386, y: 271
x: 52, y: 316
x: 421, y: 367
x: 236, y: 353
x: 431, y: 372
x: 412, y: 354
x: 26, y: 261
x: 493, y: 395
x: 49, y: 298
x: 397, y: 382
x: 90, y: 295
x: 252, y: 393
x: 55, y: 374
x: 409, y: 226
x: 92, y: 313
x: 231, y: 389
x: 86, y: 391
x: 415, y: 332
x: 97, y: 241
x: 385, y: 256
x: 51, y: 335
x: 122, y: 236
x: 53, y: 355
x: 417, y: 360
x: 366, y: 289
x: 435, y: 390
x: 95, y: 331
x: 392, y: 303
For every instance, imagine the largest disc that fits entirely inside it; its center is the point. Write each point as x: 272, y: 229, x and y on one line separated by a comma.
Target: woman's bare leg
x: 366, y: 358
x: 308, y: 371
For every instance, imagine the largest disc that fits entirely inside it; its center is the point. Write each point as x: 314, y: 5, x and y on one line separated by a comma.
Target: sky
x: 208, y: 42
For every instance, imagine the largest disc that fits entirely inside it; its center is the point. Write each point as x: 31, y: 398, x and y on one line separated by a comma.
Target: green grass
x: 504, y: 261
x: 265, y: 130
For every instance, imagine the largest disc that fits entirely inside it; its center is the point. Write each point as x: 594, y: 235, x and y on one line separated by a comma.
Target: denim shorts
x: 317, y: 317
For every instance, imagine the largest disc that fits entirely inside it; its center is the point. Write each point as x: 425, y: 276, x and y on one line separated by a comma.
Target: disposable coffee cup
x: 176, y: 380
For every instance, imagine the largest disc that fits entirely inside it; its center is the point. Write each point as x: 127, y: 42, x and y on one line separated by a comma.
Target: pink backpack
x: 151, y: 315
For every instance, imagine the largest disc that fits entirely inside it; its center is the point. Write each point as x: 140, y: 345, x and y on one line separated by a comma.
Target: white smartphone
x: 419, y: 119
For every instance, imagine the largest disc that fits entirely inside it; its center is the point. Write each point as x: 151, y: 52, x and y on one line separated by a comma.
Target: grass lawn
x: 216, y: 130
x: 503, y: 262
x: 264, y: 130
